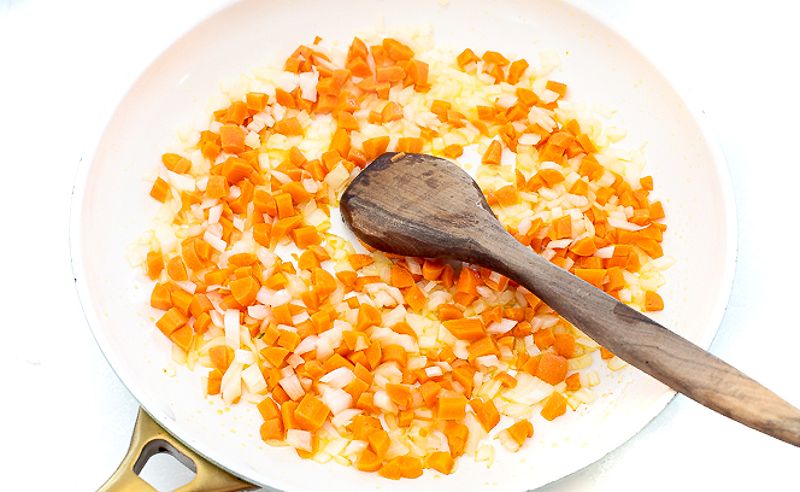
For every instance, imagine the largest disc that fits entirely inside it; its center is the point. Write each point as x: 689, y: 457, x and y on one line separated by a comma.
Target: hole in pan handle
x: 149, y: 439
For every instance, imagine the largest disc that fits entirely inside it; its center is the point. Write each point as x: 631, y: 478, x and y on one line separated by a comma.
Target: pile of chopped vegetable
x: 387, y: 363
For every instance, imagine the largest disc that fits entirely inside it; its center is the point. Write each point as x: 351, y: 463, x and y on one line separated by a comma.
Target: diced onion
x: 291, y: 385
x: 299, y: 439
x: 338, y: 378
x: 232, y: 332
x: 503, y: 326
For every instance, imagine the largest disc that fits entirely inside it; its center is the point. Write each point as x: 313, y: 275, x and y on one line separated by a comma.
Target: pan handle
x: 150, y: 439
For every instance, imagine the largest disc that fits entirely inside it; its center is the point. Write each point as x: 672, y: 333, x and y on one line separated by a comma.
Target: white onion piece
x: 244, y: 357
x: 257, y: 311
x: 231, y: 385
x: 308, y: 85
x: 294, y: 360
x: 215, y: 241
x: 214, y: 213
x: 253, y: 379
x: 503, y: 326
x: 291, y: 385
x: 605, y: 252
x: 433, y: 371
x: 344, y: 417
x: 299, y: 439
x: 338, y: 378
x: 232, y: 335
x: 337, y: 400
x: 306, y: 345
x: 624, y: 224
x: 559, y: 243
x: 381, y: 400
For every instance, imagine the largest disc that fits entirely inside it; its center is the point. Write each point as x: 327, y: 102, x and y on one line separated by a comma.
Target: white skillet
x: 111, y: 208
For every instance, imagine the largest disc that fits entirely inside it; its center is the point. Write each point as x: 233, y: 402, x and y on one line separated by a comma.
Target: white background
x: 65, y: 419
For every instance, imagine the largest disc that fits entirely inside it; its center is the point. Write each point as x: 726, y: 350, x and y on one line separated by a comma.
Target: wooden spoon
x: 423, y: 206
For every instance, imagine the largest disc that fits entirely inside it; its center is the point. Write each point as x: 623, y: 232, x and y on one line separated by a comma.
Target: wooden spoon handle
x: 643, y: 343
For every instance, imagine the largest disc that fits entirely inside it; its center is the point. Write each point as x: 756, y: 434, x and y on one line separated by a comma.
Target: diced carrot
x: 391, y: 112
x: 236, y: 113
x: 311, y: 413
x: 409, y: 144
x: 415, y: 298
x: 417, y: 72
x: 605, y: 354
x: 183, y: 337
x: 400, y: 394
x: 395, y: 353
x: 214, y: 384
x: 493, y: 153
x: 272, y: 429
x: 401, y: 277
x: 155, y: 264
x: 484, y: 346
x: 557, y: 87
x: 656, y: 211
x: 653, y: 301
x: 456, y: 434
x: 466, y: 328
x: 374, y: 147
x: 544, y: 338
x: 232, y: 138
x: 288, y: 339
x: 391, y: 470
x: 440, y: 461
x: 275, y: 355
x: 555, y: 406
x: 244, y: 290
x: 486, y: 412
x: 396, y: 50
x: 269, y: 409
x: 452, y: 151
x: 368, y: 461
x: 305, y: 236
x: 256, y: 101
x: 573, y: 382
x: 430, y: 391
x: 466, y: 57
x: 565, y: 345
x: 410, y: 467
x: 283, y: 203
x: 201, y: 323
x: 584, y: 247
x: 176, y: 163
x: 171, y: 321
x: 288, y: 126
x: 520, y: 431
x: 390, y: 74
x: 464, y: 376
x: 594, y: 276
x: 221, y: 357
x: 451, y: 408
x: 367, y: 316
x: 341, y: 142
x: 431, y: 270
x: 449, y: 311
x: 507, y: 195
x: 552, y: 368
x: 181, y: 300
x: 358, y: 261
x: 516, y: 70
x: 507, y: 380
x: 160, y: 190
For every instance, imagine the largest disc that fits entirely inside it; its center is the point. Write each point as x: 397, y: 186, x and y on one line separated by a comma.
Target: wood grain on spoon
x: 423, y: 206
